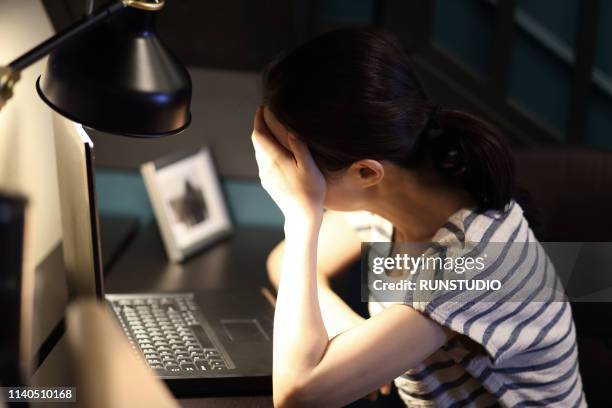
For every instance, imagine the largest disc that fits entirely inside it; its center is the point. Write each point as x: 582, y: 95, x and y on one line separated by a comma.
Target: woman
x: 347, y: 127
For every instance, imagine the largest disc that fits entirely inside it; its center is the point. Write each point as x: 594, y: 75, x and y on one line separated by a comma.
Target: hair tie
x: 447, y: 152
x: 433, y: 127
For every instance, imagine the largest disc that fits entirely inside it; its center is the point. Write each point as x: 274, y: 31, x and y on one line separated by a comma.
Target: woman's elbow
x: 291, y: 396
x: 285, y: 399
x: 298, y: 393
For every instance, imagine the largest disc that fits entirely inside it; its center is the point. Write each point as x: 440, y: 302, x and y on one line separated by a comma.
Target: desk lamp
x: 108, y: 71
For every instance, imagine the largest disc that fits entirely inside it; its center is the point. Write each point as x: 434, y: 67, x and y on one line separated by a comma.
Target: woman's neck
x: 417, y: 205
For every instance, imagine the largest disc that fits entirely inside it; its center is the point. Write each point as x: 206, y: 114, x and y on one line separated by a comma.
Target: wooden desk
x: 238, y: 261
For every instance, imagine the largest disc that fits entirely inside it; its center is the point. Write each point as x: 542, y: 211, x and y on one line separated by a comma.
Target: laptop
x: 198, y: 342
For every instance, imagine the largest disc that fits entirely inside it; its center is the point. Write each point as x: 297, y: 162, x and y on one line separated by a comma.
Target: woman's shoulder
x: 465, y: 225
x: 472, y: 225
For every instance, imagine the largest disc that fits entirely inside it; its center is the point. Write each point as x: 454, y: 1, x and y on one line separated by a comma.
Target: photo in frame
x: 187, y: 201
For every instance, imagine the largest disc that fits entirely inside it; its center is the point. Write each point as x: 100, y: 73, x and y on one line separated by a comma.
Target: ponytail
x: 469, y: 152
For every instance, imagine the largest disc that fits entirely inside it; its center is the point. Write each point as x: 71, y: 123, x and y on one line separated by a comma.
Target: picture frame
x: 187, y: 202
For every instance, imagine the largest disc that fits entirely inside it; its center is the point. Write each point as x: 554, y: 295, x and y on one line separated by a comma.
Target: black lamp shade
x: 119, y: 78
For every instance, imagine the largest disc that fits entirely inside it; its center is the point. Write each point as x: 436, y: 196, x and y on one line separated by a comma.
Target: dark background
x: 537, y: 69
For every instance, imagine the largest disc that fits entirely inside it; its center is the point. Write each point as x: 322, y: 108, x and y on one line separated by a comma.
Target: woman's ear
x: 367, y: 172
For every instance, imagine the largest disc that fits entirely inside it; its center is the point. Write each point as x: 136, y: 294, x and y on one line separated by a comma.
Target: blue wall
x: 124, y: 193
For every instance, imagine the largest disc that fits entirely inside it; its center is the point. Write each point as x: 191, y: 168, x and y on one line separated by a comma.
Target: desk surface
x: 239, y: 261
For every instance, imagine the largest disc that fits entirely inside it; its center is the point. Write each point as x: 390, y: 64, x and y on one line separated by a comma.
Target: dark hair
x: 351, y: 94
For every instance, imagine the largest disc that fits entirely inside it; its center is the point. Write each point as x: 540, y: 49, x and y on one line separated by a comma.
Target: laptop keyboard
x: 166, y: 331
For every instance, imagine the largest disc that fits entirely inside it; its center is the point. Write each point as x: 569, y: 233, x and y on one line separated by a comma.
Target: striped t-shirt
x: 512, y: 354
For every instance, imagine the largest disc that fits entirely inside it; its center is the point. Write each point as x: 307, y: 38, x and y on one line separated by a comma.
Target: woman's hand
x: 384, y: 390
x: 289, y: 174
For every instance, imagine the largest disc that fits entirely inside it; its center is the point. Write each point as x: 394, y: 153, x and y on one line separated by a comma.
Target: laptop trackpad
x: 244, y: 330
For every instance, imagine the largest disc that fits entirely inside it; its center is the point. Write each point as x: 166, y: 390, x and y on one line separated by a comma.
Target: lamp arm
x: 9, y: 75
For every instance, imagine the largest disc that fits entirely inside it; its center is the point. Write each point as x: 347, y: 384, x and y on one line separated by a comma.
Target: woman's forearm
x: 337, y: 315
x: 300, y: 337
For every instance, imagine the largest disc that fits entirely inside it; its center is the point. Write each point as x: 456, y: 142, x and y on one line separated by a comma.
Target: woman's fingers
x: 258, y: 121
x: 300, y: 151
x: 263, y: 142
x: 385, y: 389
